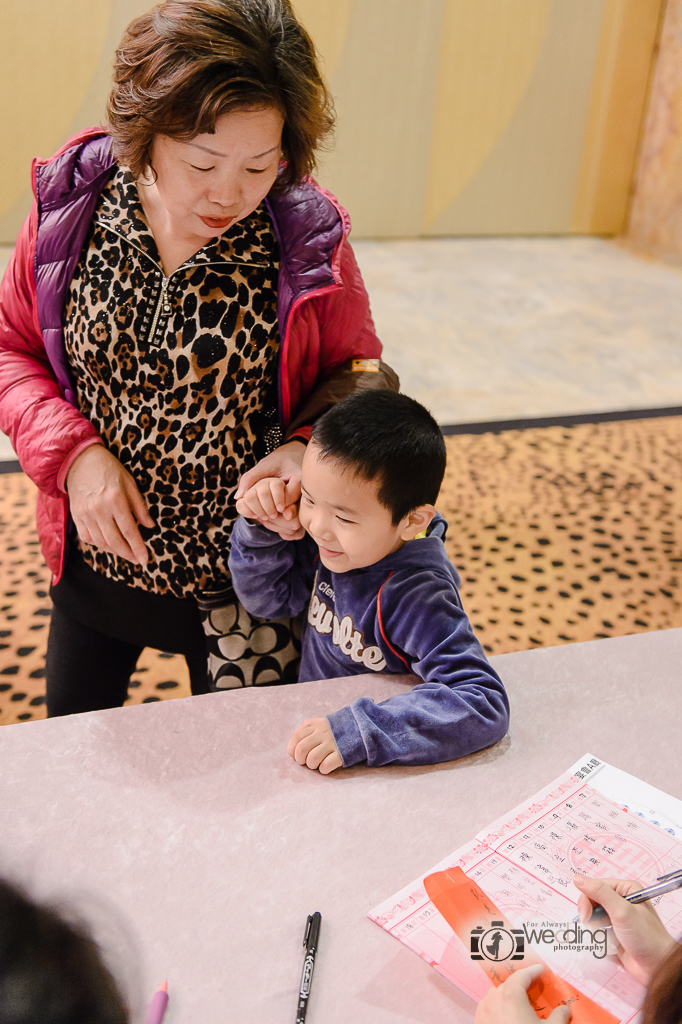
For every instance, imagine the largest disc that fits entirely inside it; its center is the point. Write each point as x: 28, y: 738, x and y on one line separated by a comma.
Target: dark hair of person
x: 663, y: 1002
x: 51, y: 972
x: 186, y: 62
x: 385, y: 436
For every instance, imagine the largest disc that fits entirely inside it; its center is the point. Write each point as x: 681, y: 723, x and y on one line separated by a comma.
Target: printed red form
x: 525, y: 862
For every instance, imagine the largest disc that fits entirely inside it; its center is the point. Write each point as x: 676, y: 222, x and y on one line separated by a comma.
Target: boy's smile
x: 341, y: 512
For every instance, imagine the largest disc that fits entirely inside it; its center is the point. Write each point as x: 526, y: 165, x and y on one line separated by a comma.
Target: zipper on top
x: 162, y: 308
x: 163, y: 303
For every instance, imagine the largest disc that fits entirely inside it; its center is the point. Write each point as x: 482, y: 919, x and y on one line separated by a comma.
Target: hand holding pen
x: 642, y: 936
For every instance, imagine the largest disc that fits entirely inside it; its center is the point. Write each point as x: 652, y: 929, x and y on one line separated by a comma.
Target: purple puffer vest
x: 308, y: 226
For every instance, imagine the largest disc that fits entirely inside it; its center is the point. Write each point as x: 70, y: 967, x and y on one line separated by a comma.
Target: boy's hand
x: 273, y: 502
x: 313, y: 745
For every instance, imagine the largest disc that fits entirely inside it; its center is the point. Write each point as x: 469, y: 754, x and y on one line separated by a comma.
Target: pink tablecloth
x: 195, y: 844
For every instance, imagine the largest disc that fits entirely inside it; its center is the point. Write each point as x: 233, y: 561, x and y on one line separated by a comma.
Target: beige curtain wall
x: 455, y: 117
x: 656, y: 215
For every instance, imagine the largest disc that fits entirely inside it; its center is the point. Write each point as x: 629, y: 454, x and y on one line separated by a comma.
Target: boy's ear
x: 418, y: 519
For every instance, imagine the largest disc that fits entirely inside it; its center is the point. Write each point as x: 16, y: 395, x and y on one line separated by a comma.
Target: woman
x: 180, y: 296
x: 646, y: 950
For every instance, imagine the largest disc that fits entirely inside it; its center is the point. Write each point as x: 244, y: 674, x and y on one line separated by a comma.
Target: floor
x: 565, y: 534
x: 560, y: 533
x: 483, y: 329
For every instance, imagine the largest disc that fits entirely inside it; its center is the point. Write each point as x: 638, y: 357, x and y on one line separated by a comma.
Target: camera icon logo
x: 497, y: 943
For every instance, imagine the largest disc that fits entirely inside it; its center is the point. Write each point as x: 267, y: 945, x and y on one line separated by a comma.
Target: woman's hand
x: 508, y: 1003
x: 106, y: 505
x: 644, y: 941
x: 271, y: 490
x: 284, y: 462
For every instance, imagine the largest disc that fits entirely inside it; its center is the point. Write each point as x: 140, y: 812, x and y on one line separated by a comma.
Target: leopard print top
x: 178, y: 374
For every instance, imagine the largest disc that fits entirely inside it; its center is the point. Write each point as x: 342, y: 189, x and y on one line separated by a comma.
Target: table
x: 198, y: 847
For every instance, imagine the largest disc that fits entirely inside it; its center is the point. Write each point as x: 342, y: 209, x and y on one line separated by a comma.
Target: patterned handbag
x: 244, y: 650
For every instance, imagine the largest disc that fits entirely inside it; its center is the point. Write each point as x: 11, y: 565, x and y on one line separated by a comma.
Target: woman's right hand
x: 106, y: 505
x: 643, y: 938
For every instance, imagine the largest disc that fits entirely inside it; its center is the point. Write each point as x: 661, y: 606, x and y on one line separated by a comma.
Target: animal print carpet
x: 560, y: 534
x: 567, y: 533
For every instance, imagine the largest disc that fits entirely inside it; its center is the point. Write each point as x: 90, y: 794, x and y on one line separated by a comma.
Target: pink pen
x: 159, y: 1004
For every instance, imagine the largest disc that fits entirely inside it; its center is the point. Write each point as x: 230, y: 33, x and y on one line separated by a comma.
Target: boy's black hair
x: 51, y: 972
x: 390, y: 437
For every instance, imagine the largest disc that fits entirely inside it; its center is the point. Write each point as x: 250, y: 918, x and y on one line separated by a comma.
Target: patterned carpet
x: 560, y: 534
x: 567, y: 533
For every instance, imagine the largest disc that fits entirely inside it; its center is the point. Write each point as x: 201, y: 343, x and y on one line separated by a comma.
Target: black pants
x: 99, y: 629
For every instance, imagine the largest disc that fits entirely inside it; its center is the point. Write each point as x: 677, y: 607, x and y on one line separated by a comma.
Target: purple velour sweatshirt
x: 403, y: 614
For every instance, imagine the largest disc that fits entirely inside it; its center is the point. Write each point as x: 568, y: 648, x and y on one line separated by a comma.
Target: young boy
x: 381, y: 594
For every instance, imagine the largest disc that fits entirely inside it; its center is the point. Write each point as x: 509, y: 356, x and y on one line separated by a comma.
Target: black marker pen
x: 310, y: 940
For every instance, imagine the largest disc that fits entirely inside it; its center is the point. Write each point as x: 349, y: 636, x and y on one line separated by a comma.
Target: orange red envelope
x: 467, y: 909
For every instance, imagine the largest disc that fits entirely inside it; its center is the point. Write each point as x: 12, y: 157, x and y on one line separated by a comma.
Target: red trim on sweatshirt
x: 381, y: 624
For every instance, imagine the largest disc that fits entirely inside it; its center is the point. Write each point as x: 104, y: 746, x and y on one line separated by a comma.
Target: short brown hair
x: 186, y: 62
